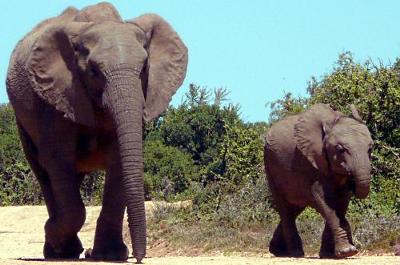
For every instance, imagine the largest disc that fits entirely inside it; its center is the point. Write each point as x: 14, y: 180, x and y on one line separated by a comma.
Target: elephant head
x: 336, y: 145
x: 126, y: 70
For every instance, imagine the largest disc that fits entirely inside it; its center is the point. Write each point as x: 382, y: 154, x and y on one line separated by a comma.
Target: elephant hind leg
x: 41, y: 175
x: 277, y: 246
x: 286, y: 241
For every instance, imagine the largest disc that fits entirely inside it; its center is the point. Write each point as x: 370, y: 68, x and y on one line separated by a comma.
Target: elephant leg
x: 72, y: 244
x: 341, y: 210
x: 346, y: 226
x: 286, y: 241
x: 292, y: 239
x: 61, y: 229
x: 327, y: 244
x: 277, y: 245
x: 56, y: 155
x: 41, y: 175
x: 327, y: 249
x: 342, y: 246
x: 108, y: 243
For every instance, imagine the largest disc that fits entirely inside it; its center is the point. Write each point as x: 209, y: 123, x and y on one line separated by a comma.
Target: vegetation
x: 203, y: 151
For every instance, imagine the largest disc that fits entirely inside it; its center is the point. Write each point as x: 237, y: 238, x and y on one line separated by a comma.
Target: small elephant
x: 81, y: 85
x: 317, y: 158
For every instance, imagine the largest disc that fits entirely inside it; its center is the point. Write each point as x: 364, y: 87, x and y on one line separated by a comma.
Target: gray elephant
x: 317, y: 158
x: 81, y: 85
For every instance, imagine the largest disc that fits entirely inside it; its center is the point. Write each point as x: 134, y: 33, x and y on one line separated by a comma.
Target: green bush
x: 168, y: 170
x: 241, y: 153
x: 17, y: 183
x: 19, y: 186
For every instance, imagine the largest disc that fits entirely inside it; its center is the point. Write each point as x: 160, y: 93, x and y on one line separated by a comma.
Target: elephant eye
x: 340, y: 148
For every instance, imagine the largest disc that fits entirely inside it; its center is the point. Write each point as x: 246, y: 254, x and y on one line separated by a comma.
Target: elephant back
x: 279, y: 137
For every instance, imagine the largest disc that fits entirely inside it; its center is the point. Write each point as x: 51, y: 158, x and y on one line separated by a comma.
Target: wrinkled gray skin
x: 81, y: 84
x: 317, y: 158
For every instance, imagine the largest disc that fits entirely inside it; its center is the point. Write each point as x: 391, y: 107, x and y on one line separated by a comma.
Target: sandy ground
x: 22, y: 238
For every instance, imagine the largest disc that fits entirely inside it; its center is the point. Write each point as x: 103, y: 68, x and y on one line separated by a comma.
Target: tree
x: 287, y: 105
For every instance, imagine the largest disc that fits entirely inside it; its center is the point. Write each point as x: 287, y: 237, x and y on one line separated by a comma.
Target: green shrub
x: 18, y: 185
x: 168, y: 171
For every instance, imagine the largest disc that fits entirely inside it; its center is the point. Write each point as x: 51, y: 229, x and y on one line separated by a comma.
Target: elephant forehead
x: 353, y: 131
x: 110, y: 41
x: 112, y: 32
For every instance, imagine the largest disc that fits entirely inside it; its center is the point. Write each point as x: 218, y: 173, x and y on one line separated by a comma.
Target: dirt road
x: 22, y: 236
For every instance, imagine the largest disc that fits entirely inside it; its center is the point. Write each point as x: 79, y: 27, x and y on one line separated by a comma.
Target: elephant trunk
x: 124, y: 100
x: 362, y: 178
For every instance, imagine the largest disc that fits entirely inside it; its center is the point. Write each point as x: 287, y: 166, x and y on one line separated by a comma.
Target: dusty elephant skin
x: 318, y: 158
x: 81, y: 84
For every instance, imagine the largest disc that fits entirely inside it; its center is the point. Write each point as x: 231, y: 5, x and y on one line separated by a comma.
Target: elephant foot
x: 277, y: 248
x: 111, y: 253
x: 296, y: 253
x: 289, y: 254
x: 345, y: 251
x: 283, y: 252
x: 327, y: 254
x: 71, y: 249
x: 327, y: 250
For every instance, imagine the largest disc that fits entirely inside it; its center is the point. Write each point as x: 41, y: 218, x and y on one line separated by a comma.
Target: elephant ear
x: 309, y: 132
x: 53, y: 73
x: 166, y: 63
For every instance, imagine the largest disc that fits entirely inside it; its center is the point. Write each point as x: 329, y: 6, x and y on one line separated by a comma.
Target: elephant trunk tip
x: 139, y: 260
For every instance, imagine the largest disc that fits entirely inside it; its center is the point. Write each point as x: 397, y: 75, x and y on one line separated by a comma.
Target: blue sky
x: 256, y: 49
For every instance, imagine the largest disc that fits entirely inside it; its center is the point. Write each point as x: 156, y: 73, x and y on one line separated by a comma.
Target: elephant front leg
x: 69, y: 216
x: 63, y: 225
x: 335, y: 239
x: 341, y: 203
x: 66, y: 209
x: 327, y: 243
x: 108, y: 243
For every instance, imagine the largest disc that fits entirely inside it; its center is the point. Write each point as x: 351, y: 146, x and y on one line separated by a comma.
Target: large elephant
x: 81, y: 85
x: 317, y: 158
